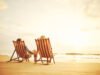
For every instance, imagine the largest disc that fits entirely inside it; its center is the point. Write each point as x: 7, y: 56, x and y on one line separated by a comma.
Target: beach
x: 60, y: 68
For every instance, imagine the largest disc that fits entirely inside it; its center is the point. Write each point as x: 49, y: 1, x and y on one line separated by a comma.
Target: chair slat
x: 44, y: 48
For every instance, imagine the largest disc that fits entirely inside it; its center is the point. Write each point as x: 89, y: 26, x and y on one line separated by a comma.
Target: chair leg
x: 12, y: 56
x: 41, y: 60
x: 47, y: 60
x: 17, y: 57
x: 50, y: 60
x: 27, y: 60
x: 35, y: 59
x: 53, y: 60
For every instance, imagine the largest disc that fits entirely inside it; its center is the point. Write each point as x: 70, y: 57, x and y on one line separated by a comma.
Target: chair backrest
x: 44, y: 47
x: 20, y: 49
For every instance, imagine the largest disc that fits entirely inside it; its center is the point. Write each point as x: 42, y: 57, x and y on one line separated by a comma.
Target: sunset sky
x: 71, y: 25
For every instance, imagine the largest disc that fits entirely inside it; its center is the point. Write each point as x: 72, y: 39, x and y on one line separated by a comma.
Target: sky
x: 71, y: 25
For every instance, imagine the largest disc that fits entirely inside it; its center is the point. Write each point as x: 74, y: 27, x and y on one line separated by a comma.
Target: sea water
x: 68, y: 58
x: 77, y: 58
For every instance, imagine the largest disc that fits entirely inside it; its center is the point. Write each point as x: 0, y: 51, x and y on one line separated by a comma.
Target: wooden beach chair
x: 45, y: 50
x: 20, y: 52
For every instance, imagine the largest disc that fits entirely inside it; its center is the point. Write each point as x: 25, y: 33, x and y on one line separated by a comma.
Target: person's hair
x: 19, y: 39
x: 42, y: 36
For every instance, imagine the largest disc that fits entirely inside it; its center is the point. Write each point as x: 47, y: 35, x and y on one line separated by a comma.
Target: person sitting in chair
x: 19, y: 40
x: 34, y: 52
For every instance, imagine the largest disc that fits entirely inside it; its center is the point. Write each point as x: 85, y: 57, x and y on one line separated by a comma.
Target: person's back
x: 26, y: 48
x: 23, y: 48
x: 20, y: 49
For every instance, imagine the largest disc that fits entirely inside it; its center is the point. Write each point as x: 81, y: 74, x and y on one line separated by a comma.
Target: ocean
x: 78, y: 58
x: 67, y: 57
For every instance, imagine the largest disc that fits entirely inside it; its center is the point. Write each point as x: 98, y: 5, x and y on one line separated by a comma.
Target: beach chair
x: 20, y: 52
x: 45, y: 50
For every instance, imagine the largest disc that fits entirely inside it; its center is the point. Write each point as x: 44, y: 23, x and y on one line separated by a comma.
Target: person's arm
x: 28, y: 50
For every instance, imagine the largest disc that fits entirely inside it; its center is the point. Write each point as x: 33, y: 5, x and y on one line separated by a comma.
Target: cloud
x: 3, y: 5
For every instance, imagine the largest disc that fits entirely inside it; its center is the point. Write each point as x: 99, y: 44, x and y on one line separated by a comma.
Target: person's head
x: 18, y: 40
x: 42, y: 36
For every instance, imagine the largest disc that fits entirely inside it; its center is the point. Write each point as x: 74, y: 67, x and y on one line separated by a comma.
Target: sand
x: 60, y: 68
